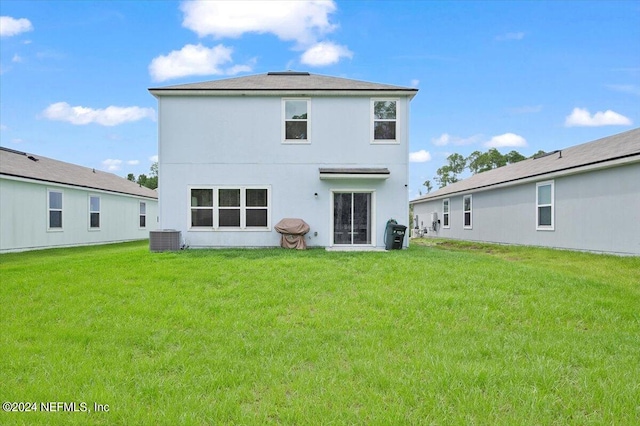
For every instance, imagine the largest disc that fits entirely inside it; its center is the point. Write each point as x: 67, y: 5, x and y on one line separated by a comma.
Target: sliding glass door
x: 352, y: 218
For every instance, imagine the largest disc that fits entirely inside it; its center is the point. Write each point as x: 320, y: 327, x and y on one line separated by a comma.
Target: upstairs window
x: 544, y: 206
x: 143, y: 215
x: 296, y: 120
x: 94, y: 212
x: 54, y: 204
x: 384, y: 120
x: 467, y: 208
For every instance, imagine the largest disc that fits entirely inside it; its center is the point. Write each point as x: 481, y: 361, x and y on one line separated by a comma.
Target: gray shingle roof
x: 31, y: 166
x: 287, y: 81
x: 623, y: 146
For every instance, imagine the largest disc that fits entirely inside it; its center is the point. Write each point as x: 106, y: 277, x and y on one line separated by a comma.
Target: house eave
x: 410, y: 93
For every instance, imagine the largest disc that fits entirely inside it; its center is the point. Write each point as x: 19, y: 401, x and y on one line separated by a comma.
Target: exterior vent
x: 164, y: 240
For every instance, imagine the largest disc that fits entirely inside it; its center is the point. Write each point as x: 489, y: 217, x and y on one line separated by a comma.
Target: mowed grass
x: 442, y: 333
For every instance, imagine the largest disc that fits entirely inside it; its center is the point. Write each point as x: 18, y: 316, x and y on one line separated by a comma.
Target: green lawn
x: 443, y: 333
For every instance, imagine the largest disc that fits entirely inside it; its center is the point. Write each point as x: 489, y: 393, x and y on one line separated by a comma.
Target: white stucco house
x: 585, y: 197
x: 238, y: 155
x: 46, y: 203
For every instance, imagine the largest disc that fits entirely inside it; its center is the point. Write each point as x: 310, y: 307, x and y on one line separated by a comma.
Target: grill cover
x: 293, y: 231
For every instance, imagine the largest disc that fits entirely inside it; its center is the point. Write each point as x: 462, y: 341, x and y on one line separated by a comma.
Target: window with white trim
x: 143, y: 215
x: 544, y: 206
x: 94, y: 212
x: 238, y: 208
x: 296, y: 113
x: 384, y: 120
x: 54, y: 207
x: 467, y: 208
x: 445, y: 213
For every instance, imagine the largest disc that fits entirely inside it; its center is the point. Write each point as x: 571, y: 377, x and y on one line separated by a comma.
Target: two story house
x: 238, y: 155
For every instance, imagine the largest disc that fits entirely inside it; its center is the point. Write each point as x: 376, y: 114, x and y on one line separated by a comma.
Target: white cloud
x: 506, y: 140
x: 153, y: 158
x: 580, y: 117
x: 16, y: 58
x: 10, y: 26
x: 3, y: 127
x: 325, y: 53
x: 17, y: 140
x: 194, y: 60
x: 110, y: 116
x: 625, y: 88
x: 133, y: 162
x: 510, y: 36
x: 302, y: 21
x: 421, y: 156
x: 415, y: 82
x: 112, y: 165
x: 446, y: 139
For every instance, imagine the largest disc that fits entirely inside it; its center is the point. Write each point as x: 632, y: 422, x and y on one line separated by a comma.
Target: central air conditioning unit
x: 164, y: 240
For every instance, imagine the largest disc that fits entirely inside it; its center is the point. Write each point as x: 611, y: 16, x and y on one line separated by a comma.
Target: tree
x: 478, y: 162
x: 538, y: 154
x: 142, y: 180
x: 150, y: 181
x: 449, y: 173
x: 427, y: 184
x: 445, y: 176
x: 514, y: 157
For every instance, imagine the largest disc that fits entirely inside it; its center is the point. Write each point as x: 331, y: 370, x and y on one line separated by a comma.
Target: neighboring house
x: 238, y: 155
x: 585, y: 197
x: 48, y: 203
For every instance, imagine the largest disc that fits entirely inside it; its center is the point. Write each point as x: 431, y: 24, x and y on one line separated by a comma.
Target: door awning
x: 354, y: 173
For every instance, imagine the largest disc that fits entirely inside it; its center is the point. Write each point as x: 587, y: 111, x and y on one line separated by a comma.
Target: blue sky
x: 523, y: 75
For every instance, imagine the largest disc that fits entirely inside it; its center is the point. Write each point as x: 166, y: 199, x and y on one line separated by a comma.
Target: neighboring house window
x: 544, y: 206
x: 296, y: 120
x: 54, y: 200
x: 224, y: 207
x: 384, y: 120
x: 94, y: 212
x: 445, y: 213
x: 467, y: 209
x: 143, y: 214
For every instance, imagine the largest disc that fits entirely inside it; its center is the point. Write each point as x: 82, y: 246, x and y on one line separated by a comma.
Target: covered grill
x: 293, y: 232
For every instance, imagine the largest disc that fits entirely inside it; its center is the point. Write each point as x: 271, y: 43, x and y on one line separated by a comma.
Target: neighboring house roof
x: 284, y: 81
x: 31, y: 166
x: 618, y: 149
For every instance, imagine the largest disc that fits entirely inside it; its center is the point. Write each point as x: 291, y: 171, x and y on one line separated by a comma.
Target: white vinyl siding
x: 544, y: 206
